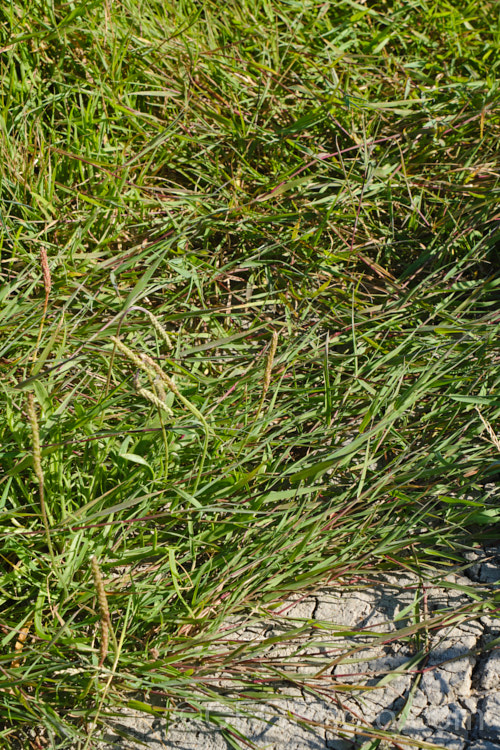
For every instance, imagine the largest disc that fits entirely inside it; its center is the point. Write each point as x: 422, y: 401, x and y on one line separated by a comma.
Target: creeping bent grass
x: 249, y: 331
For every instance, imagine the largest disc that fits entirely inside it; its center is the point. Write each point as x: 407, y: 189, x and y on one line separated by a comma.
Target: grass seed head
x: 489, y: 429
x: 102, y: 602
x: 35, y: 436
x: 160, y: 390
x: 160, y: 329
x: 154, y: 399
x: 47, y: 281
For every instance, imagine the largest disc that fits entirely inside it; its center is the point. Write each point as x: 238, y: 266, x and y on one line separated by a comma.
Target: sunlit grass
x: 288, y: 211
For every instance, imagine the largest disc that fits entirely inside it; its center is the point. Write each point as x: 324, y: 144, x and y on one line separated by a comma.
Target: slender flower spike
x: 154, y: 399
x: 47, y: 281
x: 158, y: 326
x: 35, y: 436
x: 102, y: 601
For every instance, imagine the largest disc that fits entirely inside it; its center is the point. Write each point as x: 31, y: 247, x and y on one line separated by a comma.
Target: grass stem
x: 37, y: 468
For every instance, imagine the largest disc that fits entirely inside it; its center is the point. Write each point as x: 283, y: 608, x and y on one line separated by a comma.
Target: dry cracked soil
x: 363, y: 666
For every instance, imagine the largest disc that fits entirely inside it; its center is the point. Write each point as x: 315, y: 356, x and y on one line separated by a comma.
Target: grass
x: 249, y: 258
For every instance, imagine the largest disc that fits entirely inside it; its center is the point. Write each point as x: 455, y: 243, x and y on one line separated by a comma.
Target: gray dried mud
x: 441, y: 686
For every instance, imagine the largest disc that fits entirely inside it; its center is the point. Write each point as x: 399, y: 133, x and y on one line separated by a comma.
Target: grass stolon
x: 249, y: 333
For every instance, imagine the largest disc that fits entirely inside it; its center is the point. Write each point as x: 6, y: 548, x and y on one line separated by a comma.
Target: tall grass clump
x: 249, y: 332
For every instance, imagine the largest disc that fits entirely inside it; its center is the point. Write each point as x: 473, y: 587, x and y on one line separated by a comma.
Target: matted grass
x: 202, y: 182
